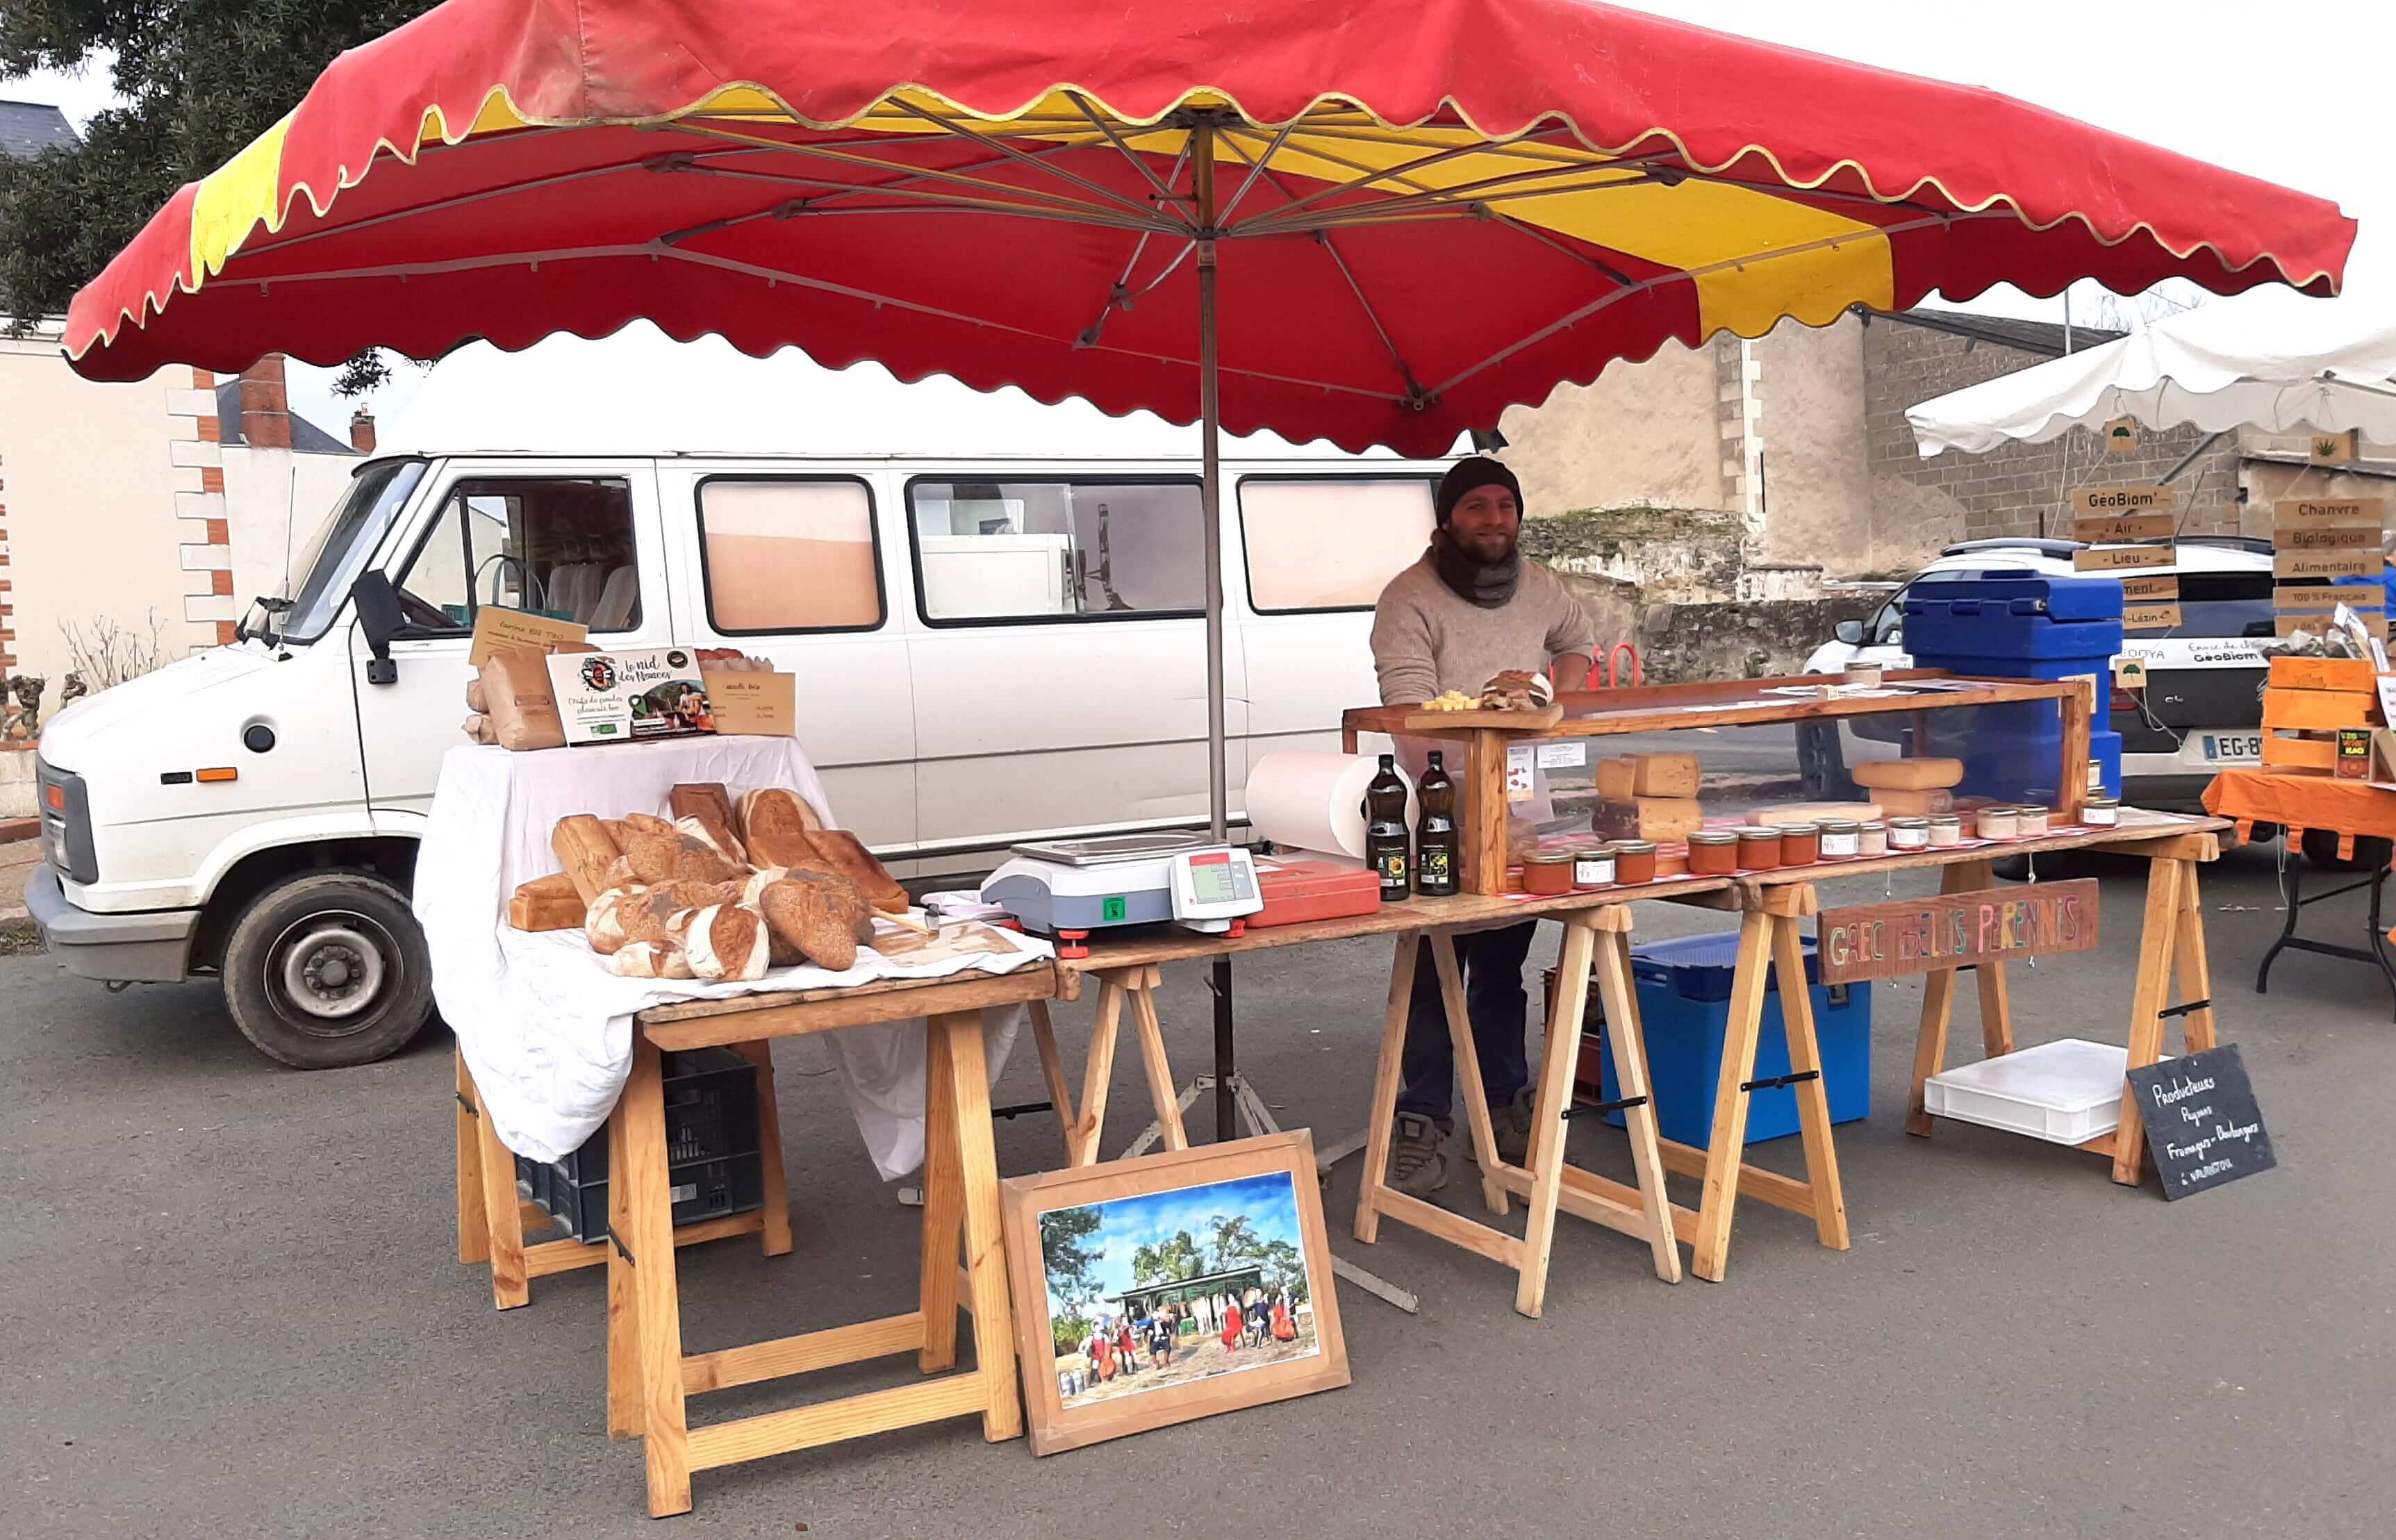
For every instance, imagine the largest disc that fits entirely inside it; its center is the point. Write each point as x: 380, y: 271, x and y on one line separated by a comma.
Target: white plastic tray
x: 2068, y: 1091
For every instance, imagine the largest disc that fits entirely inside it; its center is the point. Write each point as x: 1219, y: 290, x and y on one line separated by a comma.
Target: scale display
x: 1213, y: 887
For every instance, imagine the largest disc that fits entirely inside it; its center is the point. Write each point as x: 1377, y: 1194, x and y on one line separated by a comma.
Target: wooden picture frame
x: 1086, y: 1394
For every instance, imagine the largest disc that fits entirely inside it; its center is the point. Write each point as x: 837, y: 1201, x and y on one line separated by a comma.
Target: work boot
x: 1418, y: 1167
x: 1512, y: 1126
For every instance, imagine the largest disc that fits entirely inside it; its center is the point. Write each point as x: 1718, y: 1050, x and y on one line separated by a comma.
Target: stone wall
x: 2018, y: 489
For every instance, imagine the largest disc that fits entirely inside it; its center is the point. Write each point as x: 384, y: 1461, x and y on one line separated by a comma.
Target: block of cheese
x: 1896, y: 804
x: 1779, y: 814
x: 1618, y: 779
x: 1666, y: 774
x: 1648, y: 818
x: 1909, y: 775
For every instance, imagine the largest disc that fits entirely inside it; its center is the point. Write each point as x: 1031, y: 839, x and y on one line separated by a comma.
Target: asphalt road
x: 230, y: 1309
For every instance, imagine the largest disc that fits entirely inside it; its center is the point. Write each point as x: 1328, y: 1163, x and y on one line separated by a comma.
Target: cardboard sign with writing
x: 2203, y: 1126
x: 629, y: 696
x: 2150, y: 616
x: 2326, y: 564
x: 2112, y: 528
x: 2089, y: 502
x: 2153, y: 590
x: 2322, y: 598
x: 752, y: 702
x: 2325, y: 512
x: 497, y: 630
x: 2288, y: 625
x: 2336, y: 449
x: 2122, y: 437
x: 2122, y: 558
x: 1915, y: 935
x: 2333, y: 538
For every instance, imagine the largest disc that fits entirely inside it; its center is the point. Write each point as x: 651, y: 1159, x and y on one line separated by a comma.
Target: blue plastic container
x: 2020, y: 626
x: 1685, y: 1005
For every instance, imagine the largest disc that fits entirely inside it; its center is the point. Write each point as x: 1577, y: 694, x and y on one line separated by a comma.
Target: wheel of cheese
x: 1910, y: 775
x: 1796, y: 813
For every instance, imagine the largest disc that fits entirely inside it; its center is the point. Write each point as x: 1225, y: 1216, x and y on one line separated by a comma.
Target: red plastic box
x: 1296, y: 892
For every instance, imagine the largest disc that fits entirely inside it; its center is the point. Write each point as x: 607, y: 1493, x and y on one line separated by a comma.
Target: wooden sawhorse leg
x: 492, y: 1218
x: 1767, y: 938
x: 1938, y: 1005
x: 649, y: 1378
x: 1118, y: 987
x: 1596, y: 943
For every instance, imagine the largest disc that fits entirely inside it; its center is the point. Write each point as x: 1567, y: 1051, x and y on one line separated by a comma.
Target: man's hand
x: 1569, y: 671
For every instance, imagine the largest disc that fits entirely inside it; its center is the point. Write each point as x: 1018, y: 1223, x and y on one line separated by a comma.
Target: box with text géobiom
x: 629, y: 696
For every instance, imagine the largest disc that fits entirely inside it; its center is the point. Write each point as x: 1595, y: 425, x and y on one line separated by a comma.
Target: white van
x: 2201, y: 710
x: 988, y: 647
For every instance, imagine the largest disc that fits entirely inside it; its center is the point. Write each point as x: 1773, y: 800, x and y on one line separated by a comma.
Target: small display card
x: 629, y: 696
x: 497, y: 630
x: 751, y: 702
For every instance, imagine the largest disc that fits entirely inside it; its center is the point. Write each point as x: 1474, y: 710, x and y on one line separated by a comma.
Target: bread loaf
x: 676, y: 856
x: 773, y: 809
x: 546, y: 903
x: 1909, y: 775
x: 712, y: 832
x: 477, y: 699
x: 586, y: 849
x: 845, y: 854
x: 1666, y: 774
x: 722, y: 941
x: 706, y: 800
x: 803, y: 916
x: 781, y: 847
x: 651, y: 959
x: 1618, y: 779
x: 622, y: 916
x: 522, y: 705
x: 478, y: 729
x: 1649, y: 819
x: 1796, y: 813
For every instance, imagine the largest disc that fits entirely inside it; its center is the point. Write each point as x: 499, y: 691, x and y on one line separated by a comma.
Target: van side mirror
x: 381, y: 618
x: 1849, y: 631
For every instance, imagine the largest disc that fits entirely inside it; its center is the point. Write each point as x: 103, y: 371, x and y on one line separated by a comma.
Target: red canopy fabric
x: 1425, y: 210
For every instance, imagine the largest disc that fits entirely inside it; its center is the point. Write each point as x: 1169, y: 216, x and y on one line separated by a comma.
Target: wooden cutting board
x: 1432, y: 722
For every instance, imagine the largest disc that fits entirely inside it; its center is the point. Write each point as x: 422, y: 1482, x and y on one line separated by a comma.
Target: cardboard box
x: 630, y: 697
x: 497, y: 630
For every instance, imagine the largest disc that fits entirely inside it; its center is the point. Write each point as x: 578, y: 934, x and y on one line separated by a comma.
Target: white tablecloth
x: 545, y: 1027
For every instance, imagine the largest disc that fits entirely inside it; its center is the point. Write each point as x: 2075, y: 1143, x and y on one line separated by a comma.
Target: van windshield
x: 347, y: 542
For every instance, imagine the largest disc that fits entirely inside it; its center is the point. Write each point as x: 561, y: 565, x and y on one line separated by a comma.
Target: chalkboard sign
x: 2203, y: 1126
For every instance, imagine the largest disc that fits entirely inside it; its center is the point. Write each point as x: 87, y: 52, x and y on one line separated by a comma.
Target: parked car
x: 989, y: 648
x: 2201, y: 710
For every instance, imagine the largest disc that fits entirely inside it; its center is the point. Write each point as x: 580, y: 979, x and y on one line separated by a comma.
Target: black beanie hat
x: 1469, y: 476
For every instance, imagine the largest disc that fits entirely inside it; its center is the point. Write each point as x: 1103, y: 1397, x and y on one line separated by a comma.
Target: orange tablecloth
x: 2300, y: 802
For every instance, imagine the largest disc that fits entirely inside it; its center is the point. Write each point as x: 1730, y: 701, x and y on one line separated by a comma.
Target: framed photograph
x: 1174, y: 1286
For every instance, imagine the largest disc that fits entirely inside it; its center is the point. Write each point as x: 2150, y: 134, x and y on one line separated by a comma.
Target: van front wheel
x: 328, y: 970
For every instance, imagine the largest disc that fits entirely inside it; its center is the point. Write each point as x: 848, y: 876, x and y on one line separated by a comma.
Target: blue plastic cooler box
x: 1685, y: 1003
x: 2019, y: 626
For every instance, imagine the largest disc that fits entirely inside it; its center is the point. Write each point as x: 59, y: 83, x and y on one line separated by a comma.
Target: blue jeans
x: 1495, y: 1003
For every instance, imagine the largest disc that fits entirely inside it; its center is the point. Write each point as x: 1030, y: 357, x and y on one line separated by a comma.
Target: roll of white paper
x: 1314, y: 800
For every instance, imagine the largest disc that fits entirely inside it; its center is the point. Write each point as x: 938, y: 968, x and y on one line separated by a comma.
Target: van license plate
x: 2234, y: 748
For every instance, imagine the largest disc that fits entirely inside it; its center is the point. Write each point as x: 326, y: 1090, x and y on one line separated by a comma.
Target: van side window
x: 1330, y: 543
x: 560, y: 547
x: 1057, y: 549
x: 788, y: 554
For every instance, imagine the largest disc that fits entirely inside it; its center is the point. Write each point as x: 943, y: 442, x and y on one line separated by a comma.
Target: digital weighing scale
x: 1067, y: 889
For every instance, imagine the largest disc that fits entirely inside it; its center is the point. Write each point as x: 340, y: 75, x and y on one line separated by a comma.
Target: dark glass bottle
x: 1435, y: 837
x: 1385, y: 832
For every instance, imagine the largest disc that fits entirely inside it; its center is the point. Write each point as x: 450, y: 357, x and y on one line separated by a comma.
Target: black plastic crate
x: 703, y: 1189
x: 710, y: 1096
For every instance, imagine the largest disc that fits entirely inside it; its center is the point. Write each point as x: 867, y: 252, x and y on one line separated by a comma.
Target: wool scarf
x: 1488, y: 586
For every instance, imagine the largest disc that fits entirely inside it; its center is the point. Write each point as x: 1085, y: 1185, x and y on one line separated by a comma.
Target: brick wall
x: 2007, y: 490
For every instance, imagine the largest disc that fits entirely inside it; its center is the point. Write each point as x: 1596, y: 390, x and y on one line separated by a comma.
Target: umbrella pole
x: 1210, y: 500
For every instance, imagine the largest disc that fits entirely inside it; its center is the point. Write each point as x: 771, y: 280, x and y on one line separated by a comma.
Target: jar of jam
x: 1713, y: 853
x: 1841, y: 840
x: 1547, y: 872
x: 1946, y: 829
x: 1759, y: 848
x: 1593, y: 867
x: 1801, y: 843
x: 2031, y: 819
x: 1997, y: 823
x: 1635, y: 860
x: 1909, y: 834
x: 2101, y: 813
x: 1871, y: 838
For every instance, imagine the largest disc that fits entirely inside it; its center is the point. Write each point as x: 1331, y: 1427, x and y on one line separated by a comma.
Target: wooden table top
x: 746, y: 1018
x: 2139, y: 825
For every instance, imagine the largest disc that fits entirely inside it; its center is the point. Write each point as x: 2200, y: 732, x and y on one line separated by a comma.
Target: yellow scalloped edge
x: 498, y: 99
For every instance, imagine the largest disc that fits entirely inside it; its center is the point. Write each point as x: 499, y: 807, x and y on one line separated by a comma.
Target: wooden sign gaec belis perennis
x: 1949, y: 930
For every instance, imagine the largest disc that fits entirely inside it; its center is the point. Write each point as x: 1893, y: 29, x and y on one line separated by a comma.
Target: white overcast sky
x: 2293, y: 95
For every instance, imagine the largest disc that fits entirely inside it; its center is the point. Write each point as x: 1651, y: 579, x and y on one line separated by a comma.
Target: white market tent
x: 641, y: 392
x: 2271, y: 359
